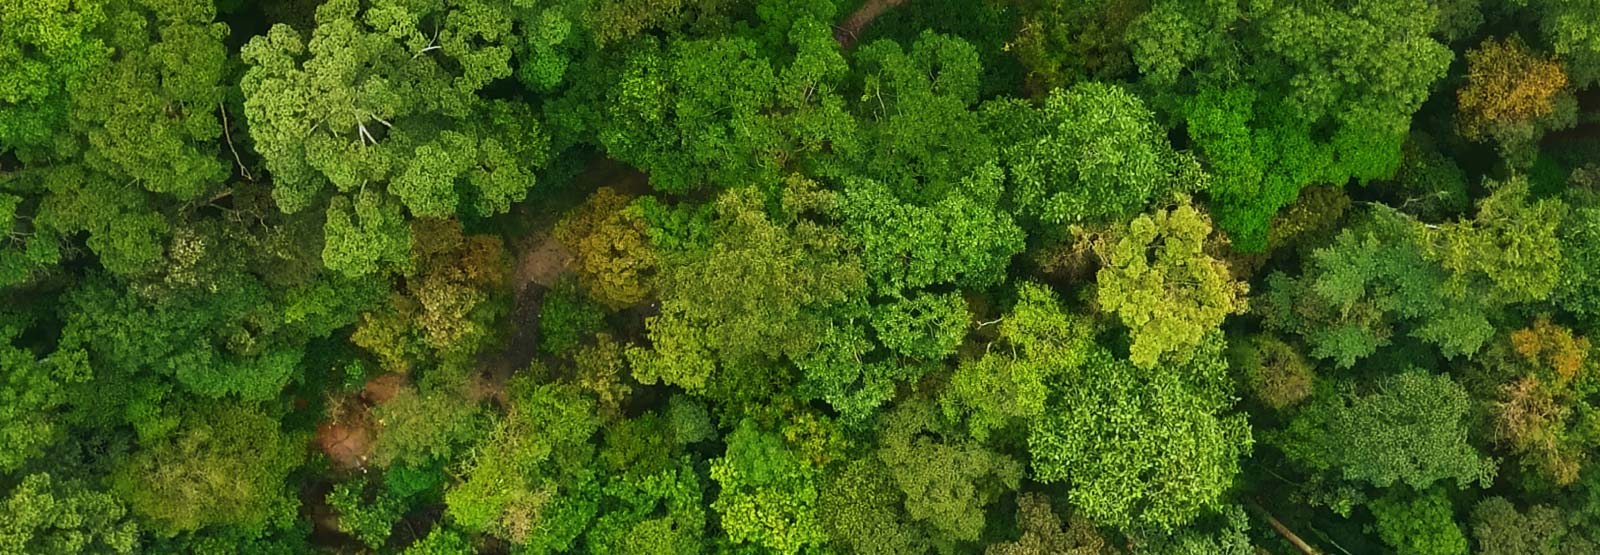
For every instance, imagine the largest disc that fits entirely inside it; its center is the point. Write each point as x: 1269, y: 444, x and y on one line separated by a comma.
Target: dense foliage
x: 1013, y: 277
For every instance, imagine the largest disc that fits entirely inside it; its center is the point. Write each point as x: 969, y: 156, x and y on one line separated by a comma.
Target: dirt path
x: 849, y: 30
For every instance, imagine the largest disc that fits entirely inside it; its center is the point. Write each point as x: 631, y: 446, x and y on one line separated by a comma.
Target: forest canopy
x: 876, y: 277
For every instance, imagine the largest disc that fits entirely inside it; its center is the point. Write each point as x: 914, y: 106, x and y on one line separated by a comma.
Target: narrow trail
x: 849, y: 30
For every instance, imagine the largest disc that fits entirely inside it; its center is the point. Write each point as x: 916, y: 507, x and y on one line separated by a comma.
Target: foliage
x: 769, y: 493
x: 369, y: 521
x: 613, y: 257
x: 1161, y: 283
x: 813, y: 276
x: 1038, y: 342
x: 1063, y: 43
x: 947, y: 480
x: 1279, y: 96
x: 1501, y: 529
x: 529, y: 481
x: 566, y: 318
x: 1155, y: 458
x: 1421, y: 525
x: 226, y: 466
x: 1099, y: 155
x: 1043, y: 534
x: 1410, y: 429
x: 1513, y: 96
x: 1357, y: 293
x: 49, y: 516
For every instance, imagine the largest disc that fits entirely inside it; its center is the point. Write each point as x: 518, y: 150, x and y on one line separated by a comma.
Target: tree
x: 1276, y: 372
x: 1138, y: 448
x: 375, y: 107
x: 530, y: 481
x: 861, y: 510
x: 44, y: 515
x: 153, y: 118
x: 1567, y: 27
x: 1501, y: 529
x: 613, y: 257
x: 1510, y: 250
x: 48, y: 54
x: 769, y: 493
x: 919, y: 136
x: 226, y: 465
x: 962, y: 239
x: 1513, y: 96
x: 1038, y: 342
x: 31, y: 393
x: 1419, y: 524
x: 1099, y: 155
x: 709, y: 314
x: 1043, y: 534
x: 1065, y: 43
x: 651, y: 513
x: 1411, y: 428
x: 1273, y: 107
x: 1159, y: 280
x: 947, y: 479
x: 1375, y: 281
x: 369, y: 521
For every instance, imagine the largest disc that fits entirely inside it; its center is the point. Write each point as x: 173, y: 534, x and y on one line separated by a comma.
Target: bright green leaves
x: 1510, y: 250
x: 634, y: 523
x: 922, y: 139
x: 365, y: 234
x: 49, y: 516
x: 1389, y: 274
x: 962, y: 239
x: 1140, y: 448
x: 531, y: 481
x: 369, y: 521
x: 48, y: 52
x: 1260, y: 156
x: 30, y: 391
x: 1101, y: 155
x: 928, y: 326
x: 1372, y: 283
x: 769, y: 493
x: 1419, y: 524
x: 1281, y: 96
x: 947, y: 479
x: 153, y: 117
x: 1008, y: 385
x: 1161, y: 283
x: 693, y: 115
x: 375, y: 103
x: 708, y: 308
x: 1411, y: 429
x: 227, y: 466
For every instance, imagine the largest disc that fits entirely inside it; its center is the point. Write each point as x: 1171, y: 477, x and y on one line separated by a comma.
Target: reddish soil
x: 849, y: 30
x: 346, y: 443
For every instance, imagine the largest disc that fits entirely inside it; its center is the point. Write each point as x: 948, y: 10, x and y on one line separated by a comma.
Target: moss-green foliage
x: 228, y: 466
x: 530, y: 481
x: 1410, y: 429
x: 1420, y: 524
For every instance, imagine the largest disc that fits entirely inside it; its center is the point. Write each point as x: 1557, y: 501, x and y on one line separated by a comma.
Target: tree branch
x: 1282, y: 530
x: 229, y: 135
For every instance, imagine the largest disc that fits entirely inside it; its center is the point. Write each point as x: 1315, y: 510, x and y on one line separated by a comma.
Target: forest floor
x: 849, y: 30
